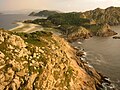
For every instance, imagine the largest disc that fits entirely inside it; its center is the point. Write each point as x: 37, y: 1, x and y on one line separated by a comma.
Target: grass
x: 3, y: 47
x: 35, y: 38
x: 68, y: 75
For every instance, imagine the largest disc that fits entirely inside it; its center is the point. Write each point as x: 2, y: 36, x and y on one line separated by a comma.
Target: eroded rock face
x: 51, y: 66
x: 82, y: 33
x: 105, y: 31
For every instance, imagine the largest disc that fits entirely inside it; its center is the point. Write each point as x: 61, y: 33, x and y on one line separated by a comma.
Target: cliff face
x: 42, y: 61
x: 109, y: 15
x: 83, y: 33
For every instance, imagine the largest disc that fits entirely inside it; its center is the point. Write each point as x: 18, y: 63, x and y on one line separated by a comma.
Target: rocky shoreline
x: 106, y: 83
x: 81, y: 61
x: 116, y: 37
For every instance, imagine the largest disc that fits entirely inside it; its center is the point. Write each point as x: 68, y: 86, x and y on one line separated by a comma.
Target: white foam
x: 79, y: 42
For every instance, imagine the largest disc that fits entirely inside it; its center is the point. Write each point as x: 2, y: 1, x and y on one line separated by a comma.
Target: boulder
x: 81, y: 33
x: 16, y: 41
x: 116, y: 37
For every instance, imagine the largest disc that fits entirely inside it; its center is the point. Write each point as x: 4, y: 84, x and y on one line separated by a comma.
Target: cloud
x: 64, y: 5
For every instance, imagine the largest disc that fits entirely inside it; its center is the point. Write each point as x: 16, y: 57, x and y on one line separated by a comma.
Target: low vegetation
x: 35, y: 37
x: 69, y: 23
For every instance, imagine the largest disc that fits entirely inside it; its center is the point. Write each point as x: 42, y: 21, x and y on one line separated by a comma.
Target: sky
x: 61, y: 5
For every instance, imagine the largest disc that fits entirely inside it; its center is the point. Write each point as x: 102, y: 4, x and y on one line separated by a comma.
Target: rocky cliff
x: 43, y: 61
x: 80, y: 33
x: 109, y: 15
x: 105, y: 31
x: 93, y: 30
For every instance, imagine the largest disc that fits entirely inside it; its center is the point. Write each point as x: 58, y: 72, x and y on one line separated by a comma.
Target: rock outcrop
x: 105, y: 31
x: 81, y: 33
x: 42, y: 62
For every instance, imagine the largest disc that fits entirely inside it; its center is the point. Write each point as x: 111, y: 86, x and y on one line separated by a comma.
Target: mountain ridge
x: 110, y: 15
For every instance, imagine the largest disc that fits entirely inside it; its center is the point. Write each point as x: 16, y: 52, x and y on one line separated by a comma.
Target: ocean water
x: 104, y: 54
x: 7, y: 21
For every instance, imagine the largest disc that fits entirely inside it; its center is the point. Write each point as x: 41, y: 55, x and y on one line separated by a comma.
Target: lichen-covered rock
x: 2, y: 55
x: 16, y: 41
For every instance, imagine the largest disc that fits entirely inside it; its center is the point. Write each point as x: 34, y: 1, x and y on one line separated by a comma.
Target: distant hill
x: 83, y: 24
x: 75, y: 26
x: 44, y: 13
x: 110, y: 15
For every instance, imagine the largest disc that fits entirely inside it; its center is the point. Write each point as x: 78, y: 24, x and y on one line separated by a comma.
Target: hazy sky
x: 61, y: 5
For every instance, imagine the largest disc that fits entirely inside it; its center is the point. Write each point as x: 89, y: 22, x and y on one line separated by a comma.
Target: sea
x: 103, y: 53
x: 8, y: 21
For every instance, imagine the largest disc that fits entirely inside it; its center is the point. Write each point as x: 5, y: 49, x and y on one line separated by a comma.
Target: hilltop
x: 44, y: 13
x: 42, y: 60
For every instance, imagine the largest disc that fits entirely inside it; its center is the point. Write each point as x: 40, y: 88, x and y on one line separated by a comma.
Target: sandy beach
x: 26, y: 27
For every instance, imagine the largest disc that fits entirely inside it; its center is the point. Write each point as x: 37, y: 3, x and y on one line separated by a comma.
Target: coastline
x: 26, y: 27
x: 20, y: 25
